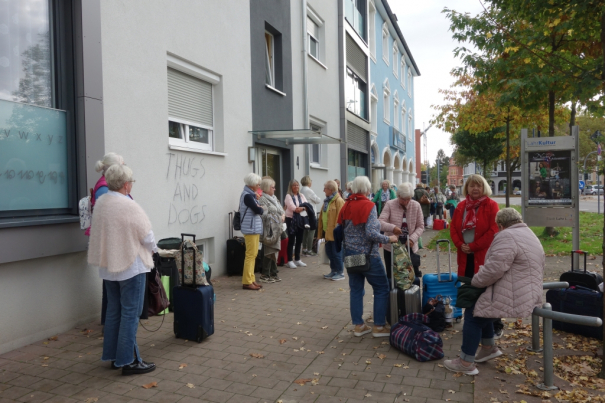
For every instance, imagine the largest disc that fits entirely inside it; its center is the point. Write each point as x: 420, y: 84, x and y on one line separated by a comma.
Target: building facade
x: 454, y: 174
x: 496, y: 177
x: 392, y: 71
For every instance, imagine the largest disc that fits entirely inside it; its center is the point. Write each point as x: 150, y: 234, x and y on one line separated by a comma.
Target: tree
x: 484, y: 148
x: 443, y: 161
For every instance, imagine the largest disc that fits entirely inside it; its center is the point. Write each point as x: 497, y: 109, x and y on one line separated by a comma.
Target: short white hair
x: 508, y: 216
x: 117, y: 176
x: 405, y: 190
x: 252, y: 179
x: 361, y: 184
x: 108, y: 160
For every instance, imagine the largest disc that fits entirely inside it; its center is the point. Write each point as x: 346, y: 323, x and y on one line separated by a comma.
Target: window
x: 403, y: 67
x: 356, y: 164
x: 270, y: 59
x: 313, y: 31
x: 355, y: 94
x: 374, y: 111
x: 355, y: 12
x: 396, y: 111
x: 395, y: 56
x: 502, y: 166
x: 372, y: 30
x: 385, y: 43
x: 403, y: 110
x: 386, y: 104
x: 190, y: 111
x: 410, y: 126
x: 316, y: 148
x: 410, y: 82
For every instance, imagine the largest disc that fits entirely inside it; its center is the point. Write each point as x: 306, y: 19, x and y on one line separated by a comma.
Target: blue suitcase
x: 193, y: 309
x: 578, y: 301
x: 444, y: 284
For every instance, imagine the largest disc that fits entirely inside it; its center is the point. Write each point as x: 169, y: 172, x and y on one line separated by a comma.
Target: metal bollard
x: 555, y: 285
x: 548, y: 353
x: 535, y: 334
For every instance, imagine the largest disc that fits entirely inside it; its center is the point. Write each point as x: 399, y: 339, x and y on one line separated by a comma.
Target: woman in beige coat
x: 513, y: 274
x: 325, y: 229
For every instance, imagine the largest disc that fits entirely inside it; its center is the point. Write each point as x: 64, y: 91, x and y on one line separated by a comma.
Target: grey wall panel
x: 356, y: 59
x: 91, y: 41
x: 357, y: 138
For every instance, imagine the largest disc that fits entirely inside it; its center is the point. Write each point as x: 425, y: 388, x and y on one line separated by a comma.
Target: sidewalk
x: 301, y: 328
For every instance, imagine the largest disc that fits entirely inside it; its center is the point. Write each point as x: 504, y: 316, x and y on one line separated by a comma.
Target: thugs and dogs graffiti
x: 186, y: 172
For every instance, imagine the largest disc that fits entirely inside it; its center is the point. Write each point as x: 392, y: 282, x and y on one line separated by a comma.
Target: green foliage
x: 444, y: 162
x: 484, y: 148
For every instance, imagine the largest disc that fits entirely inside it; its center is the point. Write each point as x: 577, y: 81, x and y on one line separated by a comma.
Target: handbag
x: 357, y: 263
x: 158, y: 301
x: 424, y: 199
x: 188, y: 259
x: 435, y: 310
x: 413, y: 337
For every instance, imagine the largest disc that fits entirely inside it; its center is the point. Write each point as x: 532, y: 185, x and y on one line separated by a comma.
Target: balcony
x: 398, y: 139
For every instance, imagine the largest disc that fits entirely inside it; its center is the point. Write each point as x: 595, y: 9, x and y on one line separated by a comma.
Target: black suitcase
x: 193, y: 309
x: 236, y: 254
x: 578, y: 301
x: 586, y: 279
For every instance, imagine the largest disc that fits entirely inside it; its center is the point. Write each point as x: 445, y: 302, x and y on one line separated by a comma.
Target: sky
x: 426, y: 31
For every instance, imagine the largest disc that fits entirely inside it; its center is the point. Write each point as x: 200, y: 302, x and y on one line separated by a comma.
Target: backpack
x: 435, y: 310
x: 85, y: 210
x: 412, y: 337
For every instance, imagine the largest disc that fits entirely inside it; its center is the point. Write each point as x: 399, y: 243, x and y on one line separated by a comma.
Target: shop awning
x: 298, y: 136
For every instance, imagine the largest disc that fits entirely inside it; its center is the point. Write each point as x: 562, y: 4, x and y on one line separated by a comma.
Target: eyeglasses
x: 132, y: 181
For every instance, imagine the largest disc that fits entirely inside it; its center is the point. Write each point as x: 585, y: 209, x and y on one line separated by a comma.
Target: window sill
x: 315, y: 166
x: 385, y: 120
x: 317, y: 61
x: 196, y: 150
x: 283, y: 94
x: 29, y: 221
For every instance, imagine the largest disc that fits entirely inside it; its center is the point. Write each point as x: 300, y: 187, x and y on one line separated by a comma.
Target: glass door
x: 269, y: 164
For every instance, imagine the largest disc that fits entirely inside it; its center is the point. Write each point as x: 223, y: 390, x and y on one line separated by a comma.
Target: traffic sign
x: 581, y: 185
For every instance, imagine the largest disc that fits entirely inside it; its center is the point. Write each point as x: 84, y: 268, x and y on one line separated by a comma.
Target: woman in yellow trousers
x: 251, y: 226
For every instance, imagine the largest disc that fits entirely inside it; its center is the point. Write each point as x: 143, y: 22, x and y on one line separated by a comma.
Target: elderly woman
x: 361, y: 237
x: 252, y: 227
x: 121, y: 246
x: 275, y: 214
x: 513, y: 274
x: 384, y: 194
x: 308, y: 235
x: 473, y: 228
x: 426, y: 207
x: 348, y: 191
x: 327, y: 222
x: 439, y: 203
x: 295, y: 235
x: 452, y: 201
x: 402, y: 217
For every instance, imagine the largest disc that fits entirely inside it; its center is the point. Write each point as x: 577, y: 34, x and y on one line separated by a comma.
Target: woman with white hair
x: 251, y: 226
x: 309, y: 234
x: 275, y: 215
x: 121, y: 246
x: 384, y: 194
x: 513, y: 274
x: 361, y: 237
x: 403, y: 217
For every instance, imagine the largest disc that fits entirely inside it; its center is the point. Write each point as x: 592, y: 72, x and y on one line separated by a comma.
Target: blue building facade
x: 392, y: 73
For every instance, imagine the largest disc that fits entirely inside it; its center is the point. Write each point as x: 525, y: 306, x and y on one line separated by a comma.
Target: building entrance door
x: 269, y: 164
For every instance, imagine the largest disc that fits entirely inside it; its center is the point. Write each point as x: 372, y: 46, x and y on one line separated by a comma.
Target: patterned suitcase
x: 413, y: 337
x: 444, y: 284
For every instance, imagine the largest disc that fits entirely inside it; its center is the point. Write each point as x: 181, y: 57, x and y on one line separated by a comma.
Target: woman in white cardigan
x: 307, y: 243
x: 121, y: 246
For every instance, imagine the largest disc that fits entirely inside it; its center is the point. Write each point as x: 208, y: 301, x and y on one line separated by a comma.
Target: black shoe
x: 137, y: 368
x: 113, y: 365
x: 418, y: 274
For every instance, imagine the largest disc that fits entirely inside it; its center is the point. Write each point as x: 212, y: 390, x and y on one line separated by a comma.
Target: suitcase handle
x: 183, y: 235
x: 579, y: 252
x: 449, y: 252
x: 230, y: 225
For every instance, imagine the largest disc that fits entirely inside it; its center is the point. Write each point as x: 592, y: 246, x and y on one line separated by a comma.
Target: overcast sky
x: 426, y: 31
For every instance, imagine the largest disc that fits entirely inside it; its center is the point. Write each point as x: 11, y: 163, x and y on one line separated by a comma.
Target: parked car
x: 593, y: 189
x: 517, y: 192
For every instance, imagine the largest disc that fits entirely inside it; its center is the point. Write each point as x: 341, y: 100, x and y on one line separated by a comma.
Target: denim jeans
x: 335, y: 257
x: 124, y: 305
x: 475, y: 330
x: 377, y: 278
x: 452, y: 209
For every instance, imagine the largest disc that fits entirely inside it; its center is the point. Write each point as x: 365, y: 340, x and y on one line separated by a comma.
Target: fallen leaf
x: 54, y: 338
x: 150, y: 385
x: 382, y: 356
x: 190, y: 385
x: 451, y: 391
x: 324, y: 327
x: 368, y: 395
x: 303, y: 381
x: 256, y: 355
x: 316, y: 373
x: 368, y: 362
x: 282, y: 341
x: 91, y: 400
x: 182, y: 366
x: 294, y: 338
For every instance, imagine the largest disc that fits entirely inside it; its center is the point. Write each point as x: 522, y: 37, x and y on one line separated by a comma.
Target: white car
x: 517, y: 192
x: 593, y: 189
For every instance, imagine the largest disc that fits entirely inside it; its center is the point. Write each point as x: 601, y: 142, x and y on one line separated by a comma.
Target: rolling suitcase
x: 578, y: 301
x: 193, y: 308
x: 402, y: 302
x: 443, y: 284
x: 282, y: 256
x: 586, y: 279
x: 236, y: 252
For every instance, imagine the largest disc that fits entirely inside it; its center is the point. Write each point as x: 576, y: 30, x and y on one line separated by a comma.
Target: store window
x: 190, y: 111
x: 356, y: 94
x: 355, y: 13
x: 356, y: 164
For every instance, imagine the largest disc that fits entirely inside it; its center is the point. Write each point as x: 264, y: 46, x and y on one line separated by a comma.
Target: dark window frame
x: 278, y: 60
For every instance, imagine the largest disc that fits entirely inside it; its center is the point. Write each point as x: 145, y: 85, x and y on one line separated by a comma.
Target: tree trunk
x: 572, y: 119
x: 508, y: 167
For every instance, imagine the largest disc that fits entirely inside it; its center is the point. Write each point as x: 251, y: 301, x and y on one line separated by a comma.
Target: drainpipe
x: 305, y: 100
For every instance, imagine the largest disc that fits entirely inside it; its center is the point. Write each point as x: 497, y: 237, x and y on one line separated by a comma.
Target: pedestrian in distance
x: 293, y: 201
x: 273, y: 219
x: 440, y: 202
x: 513, y: 274
x: 402, y: 217
x: 452, y: 201
x: 309, y: 234
x: 425, y: 203
x: 361, y: 237
x: 252, y: 227
x: 383, y: 195
x: 339, y: 189
x: 328, y: 217
x: 121, y: 247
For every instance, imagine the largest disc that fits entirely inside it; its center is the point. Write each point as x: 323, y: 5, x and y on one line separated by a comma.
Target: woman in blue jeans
x: 325, y: 229
x: 361, y: 237
x: 121, y: 246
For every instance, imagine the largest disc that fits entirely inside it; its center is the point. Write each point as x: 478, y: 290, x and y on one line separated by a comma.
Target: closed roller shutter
x: 189, y: 98
x: 356, y: 59
x: 357, y: 138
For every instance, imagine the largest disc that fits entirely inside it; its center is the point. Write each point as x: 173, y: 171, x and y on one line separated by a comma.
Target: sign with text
x: 398, y: 139
x: 33, y: 157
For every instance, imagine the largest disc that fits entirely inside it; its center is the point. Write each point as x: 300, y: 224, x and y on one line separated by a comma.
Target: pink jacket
x: 291, y: 205
x: 513, y: 274
x: 392, y: 216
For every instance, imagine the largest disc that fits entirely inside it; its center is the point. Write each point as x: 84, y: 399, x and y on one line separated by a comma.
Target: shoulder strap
x: 240, y: 203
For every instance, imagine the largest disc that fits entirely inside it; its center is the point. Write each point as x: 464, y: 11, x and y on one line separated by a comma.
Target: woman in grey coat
x: 273, y: 219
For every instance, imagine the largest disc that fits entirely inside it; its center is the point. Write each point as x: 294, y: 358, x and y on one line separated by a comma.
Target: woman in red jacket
x: 473, y: 228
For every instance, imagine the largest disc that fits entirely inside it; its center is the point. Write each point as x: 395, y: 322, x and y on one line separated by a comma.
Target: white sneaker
x: 291, y: 265
x: 300, y: 263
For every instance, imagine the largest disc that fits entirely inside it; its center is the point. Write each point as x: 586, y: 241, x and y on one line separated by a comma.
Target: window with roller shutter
x: 356, y: 59
x: 357, y: 138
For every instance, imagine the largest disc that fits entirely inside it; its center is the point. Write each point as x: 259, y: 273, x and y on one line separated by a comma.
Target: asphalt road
x: 587, y: 203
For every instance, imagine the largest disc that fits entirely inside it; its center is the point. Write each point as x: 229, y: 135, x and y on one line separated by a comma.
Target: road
x: 587, y: 203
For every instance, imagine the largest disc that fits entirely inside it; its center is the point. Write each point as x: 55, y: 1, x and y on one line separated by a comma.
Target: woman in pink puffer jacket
x: 512, y: 275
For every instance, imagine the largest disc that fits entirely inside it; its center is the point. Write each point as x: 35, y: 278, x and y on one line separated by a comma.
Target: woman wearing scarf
x: 362, y: 236
x: 330, y: 210
x: 383, y: 195
x: 275, y: 214
x: 473, y: 228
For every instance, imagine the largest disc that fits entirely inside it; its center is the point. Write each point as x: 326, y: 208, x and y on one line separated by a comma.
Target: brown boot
x: 250, y: 287
x: 258, y: 285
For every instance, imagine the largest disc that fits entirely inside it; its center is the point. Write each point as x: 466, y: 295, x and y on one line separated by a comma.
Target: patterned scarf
x: 327, y: 201
x: 470, y: 221
x: 385, y: 196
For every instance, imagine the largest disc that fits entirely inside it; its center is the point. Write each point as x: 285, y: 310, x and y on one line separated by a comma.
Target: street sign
x: 581, y: 184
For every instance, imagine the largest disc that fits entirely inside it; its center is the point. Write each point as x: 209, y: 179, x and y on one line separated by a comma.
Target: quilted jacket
x: 392, y: 216
x: 513, y: 274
